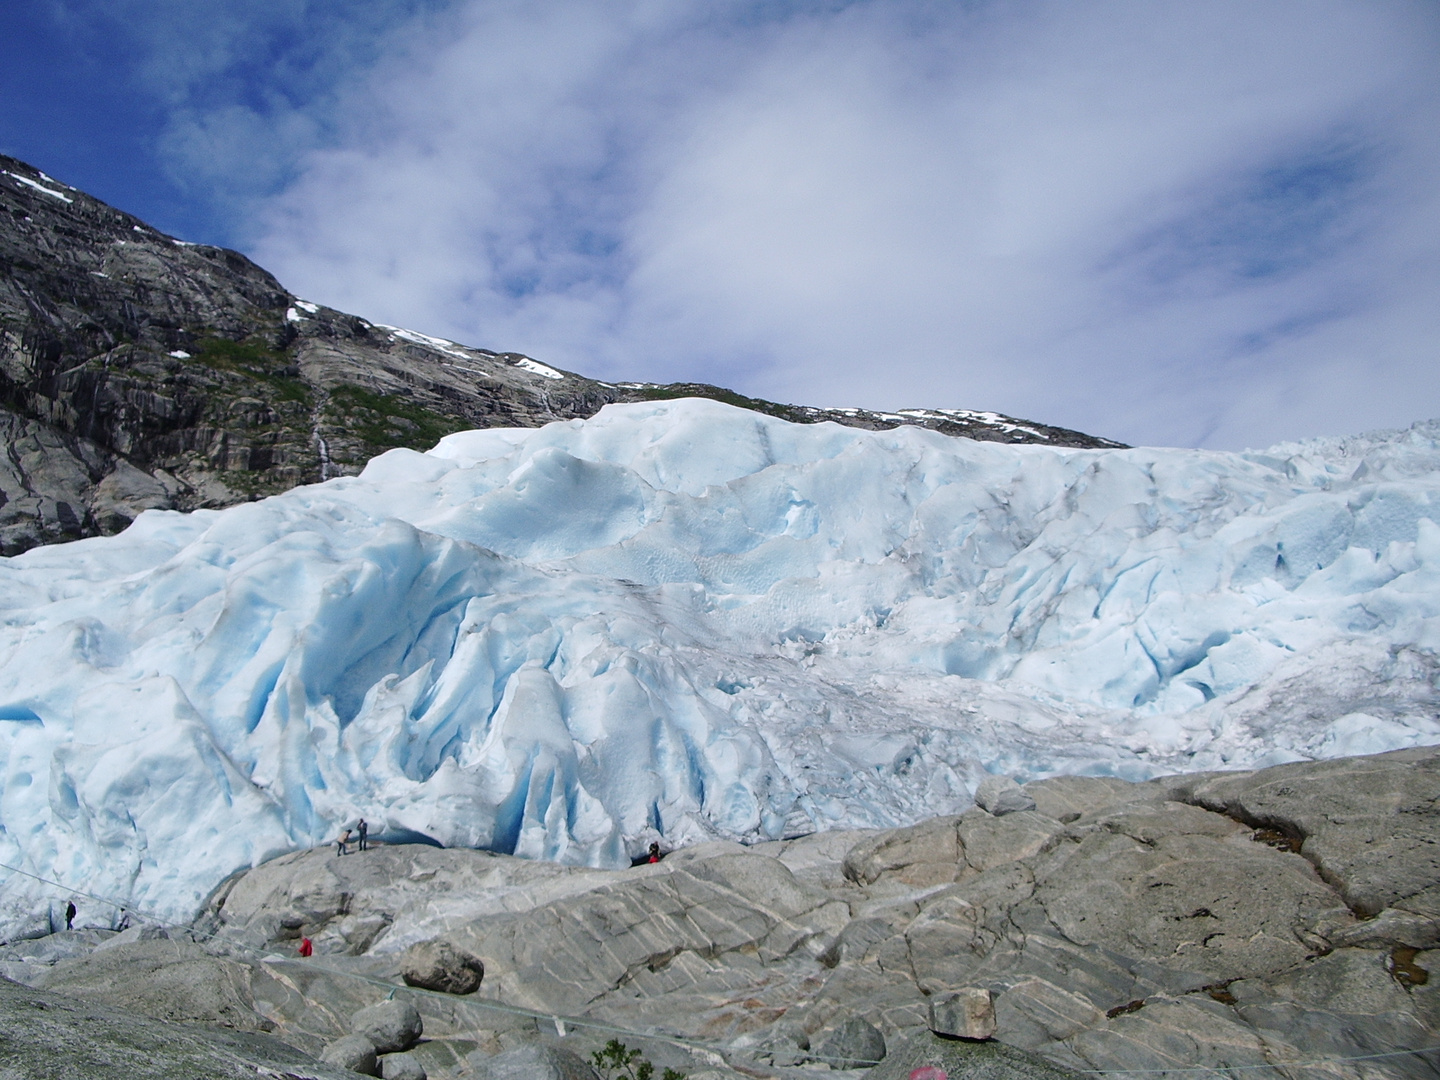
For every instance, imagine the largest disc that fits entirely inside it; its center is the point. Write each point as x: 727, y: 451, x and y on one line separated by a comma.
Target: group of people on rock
x: 361, y: 835
x: 361, y: 832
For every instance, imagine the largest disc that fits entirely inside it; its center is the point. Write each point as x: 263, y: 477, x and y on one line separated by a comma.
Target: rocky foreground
x: 1261, y: 922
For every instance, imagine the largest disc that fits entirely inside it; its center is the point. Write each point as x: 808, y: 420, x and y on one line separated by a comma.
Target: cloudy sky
x: 1200, y: 224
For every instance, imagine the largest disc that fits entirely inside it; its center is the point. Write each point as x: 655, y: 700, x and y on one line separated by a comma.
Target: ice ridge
x: 683, y: 620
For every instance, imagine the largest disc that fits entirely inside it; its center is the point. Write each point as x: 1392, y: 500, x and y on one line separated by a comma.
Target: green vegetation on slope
x: 382, y: 421
x: 728, y: 397
x: 255, y: 361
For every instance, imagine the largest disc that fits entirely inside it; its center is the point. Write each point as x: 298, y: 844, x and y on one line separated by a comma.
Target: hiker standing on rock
x: 306, y: 946
x: 70, y: 915
x: 364, y: 830
x: 342, y: 844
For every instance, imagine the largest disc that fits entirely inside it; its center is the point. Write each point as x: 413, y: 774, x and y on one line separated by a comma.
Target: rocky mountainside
x: 139, y: 371
x: 1278, y: 922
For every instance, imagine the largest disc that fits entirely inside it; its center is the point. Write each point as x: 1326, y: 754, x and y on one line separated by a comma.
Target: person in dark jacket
x: 70, y: 915
x: 652, y: 854
x: 363, y: 830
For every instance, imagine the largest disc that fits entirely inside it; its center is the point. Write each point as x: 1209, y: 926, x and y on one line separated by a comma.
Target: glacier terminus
x: 680, y: 620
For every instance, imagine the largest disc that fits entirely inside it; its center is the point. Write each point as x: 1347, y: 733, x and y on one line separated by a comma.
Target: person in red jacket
x: 305, y: 947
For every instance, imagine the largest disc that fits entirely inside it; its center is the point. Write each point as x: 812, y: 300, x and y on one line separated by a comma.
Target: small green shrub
x: 619, y: 1062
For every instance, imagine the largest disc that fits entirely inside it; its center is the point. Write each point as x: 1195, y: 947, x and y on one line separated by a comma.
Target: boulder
x: 532, y: 1063
x: 439, y: 965
x: 968, y: 1013
x: 391, y: 1025
x: 855, y: 1044
x: 785, y: 1043
x: 1001, y: 795
x: 353, y: 1052
x: 401, y: 1067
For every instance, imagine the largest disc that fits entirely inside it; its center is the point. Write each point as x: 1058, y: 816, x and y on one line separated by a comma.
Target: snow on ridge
x: 40, y: 187
x: 537, y: 368
x: 685, y: 619
x: 989, y: 419
x: 462, y: 352
x: 452, y: 348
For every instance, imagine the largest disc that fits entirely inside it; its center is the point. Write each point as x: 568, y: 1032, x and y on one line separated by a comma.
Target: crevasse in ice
x: 686, y: 620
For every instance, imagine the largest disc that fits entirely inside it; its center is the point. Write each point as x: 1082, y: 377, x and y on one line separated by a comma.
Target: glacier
x: 682, y: 621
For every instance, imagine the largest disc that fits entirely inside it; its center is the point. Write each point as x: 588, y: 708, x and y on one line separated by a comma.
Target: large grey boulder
x: 402, y: 1067
x: 533, y: 1062
x: 439, y: 965
x: 968, y: 1013
x: 855, y: 1044
x: 353, y: 1052
x: 1001, y: 795
x: 391, y: 1025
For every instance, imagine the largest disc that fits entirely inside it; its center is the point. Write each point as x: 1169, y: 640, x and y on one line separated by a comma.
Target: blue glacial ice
x: 686, y: 621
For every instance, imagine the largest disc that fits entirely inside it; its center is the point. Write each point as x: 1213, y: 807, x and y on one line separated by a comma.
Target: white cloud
x: 1183, y: 223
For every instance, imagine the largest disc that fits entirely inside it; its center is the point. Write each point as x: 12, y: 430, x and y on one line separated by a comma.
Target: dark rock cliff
x: 138, y: 371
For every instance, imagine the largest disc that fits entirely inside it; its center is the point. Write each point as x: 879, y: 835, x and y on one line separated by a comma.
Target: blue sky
x: 1207, y: 225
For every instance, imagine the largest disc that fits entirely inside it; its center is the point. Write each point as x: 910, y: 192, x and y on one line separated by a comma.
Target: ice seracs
x: 688, y: 620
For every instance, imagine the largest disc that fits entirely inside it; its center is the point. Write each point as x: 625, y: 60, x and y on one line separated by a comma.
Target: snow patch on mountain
x: 40, y: 187
x: 684, y: 619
